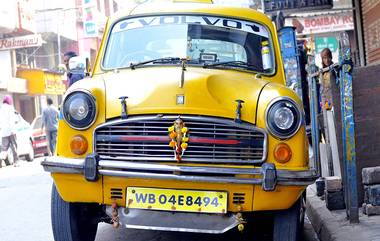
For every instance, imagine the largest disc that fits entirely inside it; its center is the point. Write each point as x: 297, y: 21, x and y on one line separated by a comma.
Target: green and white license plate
x: 177, y: 200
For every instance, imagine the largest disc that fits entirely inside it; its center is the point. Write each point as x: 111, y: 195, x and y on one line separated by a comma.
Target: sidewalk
x: 333, y: 225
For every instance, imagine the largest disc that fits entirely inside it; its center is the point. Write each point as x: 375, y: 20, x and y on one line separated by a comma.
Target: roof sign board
x: 26, y: 41
x: 296, y: 5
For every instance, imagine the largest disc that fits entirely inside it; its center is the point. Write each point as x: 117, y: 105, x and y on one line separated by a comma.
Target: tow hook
x: 115, y: 216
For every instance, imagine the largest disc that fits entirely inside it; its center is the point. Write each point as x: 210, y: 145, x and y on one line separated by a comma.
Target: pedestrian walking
x: 50, y: 123
x: 8, y: 129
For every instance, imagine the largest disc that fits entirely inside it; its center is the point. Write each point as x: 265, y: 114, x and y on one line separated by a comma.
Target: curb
x: 320, y: 217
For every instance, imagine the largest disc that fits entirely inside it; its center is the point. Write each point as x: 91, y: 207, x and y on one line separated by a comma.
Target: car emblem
x: 178, y: 134
x: 180, y: 99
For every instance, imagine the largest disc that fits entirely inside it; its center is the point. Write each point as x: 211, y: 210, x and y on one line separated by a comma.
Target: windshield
x: 200, y: 39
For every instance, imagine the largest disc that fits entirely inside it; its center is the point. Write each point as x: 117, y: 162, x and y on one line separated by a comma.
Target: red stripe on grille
x: 191, y: 140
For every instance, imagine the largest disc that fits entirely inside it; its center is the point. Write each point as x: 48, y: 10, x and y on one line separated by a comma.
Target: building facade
x: 18, y: 40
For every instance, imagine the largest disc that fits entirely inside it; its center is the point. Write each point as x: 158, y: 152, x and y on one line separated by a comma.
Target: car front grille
x: 211, y: 140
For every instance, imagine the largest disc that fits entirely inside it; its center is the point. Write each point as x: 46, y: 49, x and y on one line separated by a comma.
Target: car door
x: 23, y: 135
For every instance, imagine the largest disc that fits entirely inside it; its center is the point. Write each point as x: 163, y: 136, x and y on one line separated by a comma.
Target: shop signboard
x: 90, y: 26
x: 54, y: 83
x: 296, y: 5
x: 333, y: 22
x: 26, y: 41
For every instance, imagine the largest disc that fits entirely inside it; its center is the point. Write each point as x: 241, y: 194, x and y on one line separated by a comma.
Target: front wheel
x: 288, y: 223
x: 72, y: 221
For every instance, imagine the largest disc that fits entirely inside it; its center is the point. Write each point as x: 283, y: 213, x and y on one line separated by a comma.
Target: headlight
x: 79, y: 110
x: 283, y: 118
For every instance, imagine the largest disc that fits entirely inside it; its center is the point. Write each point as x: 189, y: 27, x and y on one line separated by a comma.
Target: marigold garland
x: 178, y: 135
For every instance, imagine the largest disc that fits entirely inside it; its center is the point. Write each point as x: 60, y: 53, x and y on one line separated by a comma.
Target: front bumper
x: 267, y: 175
x: 176, y: 221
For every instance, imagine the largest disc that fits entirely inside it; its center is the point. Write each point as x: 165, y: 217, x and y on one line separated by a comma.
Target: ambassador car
x: 185, y: 125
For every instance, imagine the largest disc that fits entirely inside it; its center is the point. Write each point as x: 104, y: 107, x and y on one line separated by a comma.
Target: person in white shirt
x: 8, y: 128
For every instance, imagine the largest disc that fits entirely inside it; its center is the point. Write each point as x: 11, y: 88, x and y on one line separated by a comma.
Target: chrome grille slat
x: 215, y: 140
x: 199, y: 156
x: 170, y: 150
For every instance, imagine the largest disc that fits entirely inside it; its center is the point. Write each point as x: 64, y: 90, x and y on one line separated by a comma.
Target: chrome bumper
x: 267, y: 175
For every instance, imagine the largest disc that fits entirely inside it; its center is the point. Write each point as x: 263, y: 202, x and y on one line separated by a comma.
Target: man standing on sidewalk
x: 8, y: 128
x: 50, y: 122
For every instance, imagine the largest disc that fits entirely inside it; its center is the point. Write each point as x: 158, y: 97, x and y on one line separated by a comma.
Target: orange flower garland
x: 178, y: 135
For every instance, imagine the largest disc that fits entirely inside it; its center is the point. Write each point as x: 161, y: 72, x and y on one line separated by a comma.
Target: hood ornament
x: 238, y: 110
x: 178, y: 134
x: 123, y: 103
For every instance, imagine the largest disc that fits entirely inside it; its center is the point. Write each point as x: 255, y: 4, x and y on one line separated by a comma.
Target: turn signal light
x: 282, y: 153
x: 78, y: 145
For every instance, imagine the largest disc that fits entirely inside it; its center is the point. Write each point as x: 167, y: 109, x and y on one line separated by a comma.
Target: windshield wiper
x: 164, y: 60
x: 235, y: 63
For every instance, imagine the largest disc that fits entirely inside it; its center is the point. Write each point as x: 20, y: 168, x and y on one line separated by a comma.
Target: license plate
x: 177, y: 200
x: 40, y: 144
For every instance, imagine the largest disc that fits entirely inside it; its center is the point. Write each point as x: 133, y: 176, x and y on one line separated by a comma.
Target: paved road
x: 25, y: 213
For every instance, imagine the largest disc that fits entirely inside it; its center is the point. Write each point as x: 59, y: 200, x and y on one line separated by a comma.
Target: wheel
x: 72, y: 221
x: 30, y: 156
x: 287, y: 223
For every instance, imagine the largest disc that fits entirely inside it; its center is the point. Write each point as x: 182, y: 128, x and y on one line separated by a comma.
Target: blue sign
x: 290, y: 59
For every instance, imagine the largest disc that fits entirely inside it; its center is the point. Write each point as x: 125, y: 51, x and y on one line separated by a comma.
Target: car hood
x: 211, y: 92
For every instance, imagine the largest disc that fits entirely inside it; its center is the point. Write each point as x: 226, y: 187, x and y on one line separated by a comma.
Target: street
x: 25, y: 212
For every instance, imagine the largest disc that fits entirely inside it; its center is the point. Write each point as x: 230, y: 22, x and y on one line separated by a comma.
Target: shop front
x: 42, y: 84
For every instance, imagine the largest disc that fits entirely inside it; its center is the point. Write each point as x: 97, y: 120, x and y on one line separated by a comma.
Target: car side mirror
x: 88, y: 67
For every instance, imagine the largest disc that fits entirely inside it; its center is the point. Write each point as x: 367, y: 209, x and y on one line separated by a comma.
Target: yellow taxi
x: 185, y: 125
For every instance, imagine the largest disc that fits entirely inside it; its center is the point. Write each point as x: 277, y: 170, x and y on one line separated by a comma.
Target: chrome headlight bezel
x: 291, y: 105
x: 90, y: 117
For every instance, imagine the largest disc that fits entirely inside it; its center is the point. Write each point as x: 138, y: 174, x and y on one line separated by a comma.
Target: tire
x: 72, y: 221
x: 30, y: 156
x: 287, y: 223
